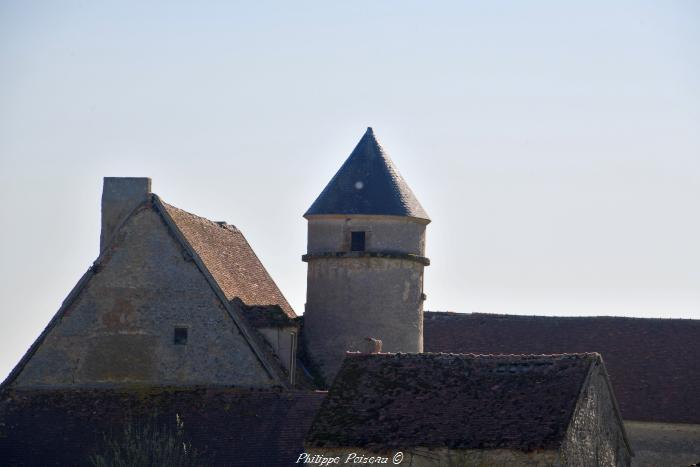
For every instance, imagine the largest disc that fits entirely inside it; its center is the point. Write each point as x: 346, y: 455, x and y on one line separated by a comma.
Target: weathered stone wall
x: 383, y: 233
x: 656, y: 444
x: 350, y: 299
x: 443, y: 457
x: 357, y: 296
x: 120, y: 328
x: 595, y: 436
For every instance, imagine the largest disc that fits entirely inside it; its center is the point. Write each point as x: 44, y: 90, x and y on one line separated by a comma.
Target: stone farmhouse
x: 178, y: 316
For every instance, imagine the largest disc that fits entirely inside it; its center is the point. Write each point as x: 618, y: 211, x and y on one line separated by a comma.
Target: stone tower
x: 366, y: 254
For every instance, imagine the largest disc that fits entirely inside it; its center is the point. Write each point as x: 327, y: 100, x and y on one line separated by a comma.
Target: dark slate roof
x: 653, y: 363
x: 230, y: 259
x: 522, y: 402
x: 368, y: 183
x: 227, y: 426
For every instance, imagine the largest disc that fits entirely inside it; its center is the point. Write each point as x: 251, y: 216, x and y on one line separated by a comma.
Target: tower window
x: 357, y: 241
x: 180, y: 337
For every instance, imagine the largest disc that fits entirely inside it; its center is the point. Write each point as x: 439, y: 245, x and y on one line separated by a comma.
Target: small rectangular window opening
x: 357, y: 241
x: 180, y: 336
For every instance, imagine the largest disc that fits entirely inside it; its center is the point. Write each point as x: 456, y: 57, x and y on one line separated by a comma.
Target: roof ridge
x: 459, y: 314
x: 223, y: 224
x: 470, y: 355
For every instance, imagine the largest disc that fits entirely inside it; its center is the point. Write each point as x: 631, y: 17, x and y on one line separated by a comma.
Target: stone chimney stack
x: 372, y: 345
x: 120, y: 195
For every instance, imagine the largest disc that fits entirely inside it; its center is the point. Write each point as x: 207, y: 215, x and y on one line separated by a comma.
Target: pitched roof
x: 463, y: 401
x: 652, y: 363
x: 368, y: 183
x: 230, y: 259
x: 225, y: 259
x: 226, y: 426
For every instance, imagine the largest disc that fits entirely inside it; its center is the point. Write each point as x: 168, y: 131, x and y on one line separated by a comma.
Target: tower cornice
x: 366, y: 254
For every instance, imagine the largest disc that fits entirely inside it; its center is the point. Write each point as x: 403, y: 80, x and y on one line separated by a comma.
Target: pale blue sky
x: 556, y: 145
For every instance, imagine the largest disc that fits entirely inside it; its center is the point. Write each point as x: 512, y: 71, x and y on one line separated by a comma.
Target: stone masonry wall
x: 120, y: 329
x: 383, y: 233
x: 350, y: 299
x: 595, y: 437
x: 355, y: 297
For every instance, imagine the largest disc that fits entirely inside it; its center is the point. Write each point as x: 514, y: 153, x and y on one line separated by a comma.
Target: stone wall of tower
x: 383, y: 233
x: 352, y: 296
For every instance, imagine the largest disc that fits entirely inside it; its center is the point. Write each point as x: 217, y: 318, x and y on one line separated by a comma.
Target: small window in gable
x: 180, y: 337
x: 357, y: 241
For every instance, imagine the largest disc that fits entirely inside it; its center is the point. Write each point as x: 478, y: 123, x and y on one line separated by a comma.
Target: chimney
x: 372, y: 345
x: 120, y: 195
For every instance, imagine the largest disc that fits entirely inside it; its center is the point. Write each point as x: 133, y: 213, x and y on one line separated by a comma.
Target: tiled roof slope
x: 230, y: 259
x: 653, y: 364
x: 462, y: 401
x: 368, y: 183
x: 226, y: 426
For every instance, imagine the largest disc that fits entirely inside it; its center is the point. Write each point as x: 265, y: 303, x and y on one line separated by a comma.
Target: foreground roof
x: 368, y: 183
x: 227, y: 426
x: 462, y: 401
x: 652, y: 363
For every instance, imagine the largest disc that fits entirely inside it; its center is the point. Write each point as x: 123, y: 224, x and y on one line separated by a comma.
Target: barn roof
x: 368, y: 183
x: 652, y: 363
x: 226, y: 426
x: 522, y: 402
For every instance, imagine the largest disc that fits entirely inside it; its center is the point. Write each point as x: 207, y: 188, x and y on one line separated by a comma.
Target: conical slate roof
x: 368, y: 183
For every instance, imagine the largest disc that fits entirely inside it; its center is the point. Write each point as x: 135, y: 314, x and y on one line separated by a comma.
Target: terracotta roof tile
x: 460, y: 401
x: 653, y: 364
x: 230, y: 260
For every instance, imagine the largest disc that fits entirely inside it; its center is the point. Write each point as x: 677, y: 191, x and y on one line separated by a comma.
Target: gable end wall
x: 120, y: 327
x: 595, y: 436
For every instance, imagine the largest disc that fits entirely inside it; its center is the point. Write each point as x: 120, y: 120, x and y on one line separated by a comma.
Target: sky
x: 555, y: 145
